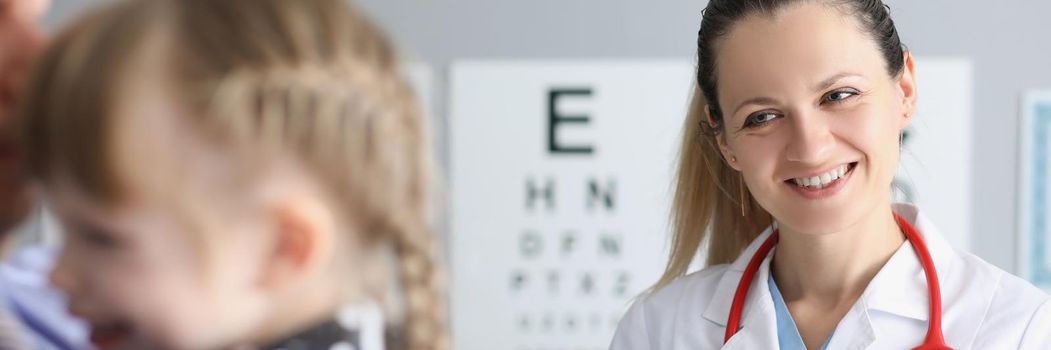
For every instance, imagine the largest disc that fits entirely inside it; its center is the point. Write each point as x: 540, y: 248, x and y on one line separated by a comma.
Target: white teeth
x: 822, y: 180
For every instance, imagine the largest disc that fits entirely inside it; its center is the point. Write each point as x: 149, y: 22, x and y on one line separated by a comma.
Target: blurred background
x: 556, y: 123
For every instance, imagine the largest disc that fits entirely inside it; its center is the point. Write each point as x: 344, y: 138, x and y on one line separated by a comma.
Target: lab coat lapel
x: 758, y: 322
x: 718, y: 309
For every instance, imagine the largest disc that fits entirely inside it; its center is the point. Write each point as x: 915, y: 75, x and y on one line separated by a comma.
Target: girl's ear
x: 302, y: 234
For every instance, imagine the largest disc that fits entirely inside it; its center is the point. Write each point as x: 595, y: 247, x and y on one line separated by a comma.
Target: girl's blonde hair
x: 708, y: 200
x: 310, y: 79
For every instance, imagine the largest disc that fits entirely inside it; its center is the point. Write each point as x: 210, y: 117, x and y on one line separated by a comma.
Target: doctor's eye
x: 840, y: 95
x: 760, y: 119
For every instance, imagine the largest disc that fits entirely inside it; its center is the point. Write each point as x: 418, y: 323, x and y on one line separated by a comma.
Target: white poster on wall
x: 560, y: 175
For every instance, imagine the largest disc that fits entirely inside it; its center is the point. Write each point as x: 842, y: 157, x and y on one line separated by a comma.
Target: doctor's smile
x: 822, y: 184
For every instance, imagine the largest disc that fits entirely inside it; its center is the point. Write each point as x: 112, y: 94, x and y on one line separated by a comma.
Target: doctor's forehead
x: 795, y: 48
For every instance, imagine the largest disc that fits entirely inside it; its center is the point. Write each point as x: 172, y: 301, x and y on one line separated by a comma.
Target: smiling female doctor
x: 785, y: 171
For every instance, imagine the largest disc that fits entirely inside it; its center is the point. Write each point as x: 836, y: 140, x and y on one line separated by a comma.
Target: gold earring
x: 741, y: 198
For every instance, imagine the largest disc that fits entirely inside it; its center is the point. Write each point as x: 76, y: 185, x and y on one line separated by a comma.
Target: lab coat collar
x: 899, y: 288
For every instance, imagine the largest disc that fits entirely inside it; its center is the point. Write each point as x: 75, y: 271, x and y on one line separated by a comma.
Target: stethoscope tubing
x: 935, y: 339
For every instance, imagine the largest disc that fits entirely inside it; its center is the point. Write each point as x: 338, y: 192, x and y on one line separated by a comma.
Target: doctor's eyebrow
x: 828, y: 82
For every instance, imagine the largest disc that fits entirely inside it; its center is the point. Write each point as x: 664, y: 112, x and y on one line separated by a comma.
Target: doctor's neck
x: 835, y: 267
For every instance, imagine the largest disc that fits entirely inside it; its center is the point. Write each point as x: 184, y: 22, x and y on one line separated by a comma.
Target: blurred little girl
x: 236, y: 174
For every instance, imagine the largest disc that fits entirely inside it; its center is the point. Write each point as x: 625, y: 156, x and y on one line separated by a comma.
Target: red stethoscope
x: 935, y: 339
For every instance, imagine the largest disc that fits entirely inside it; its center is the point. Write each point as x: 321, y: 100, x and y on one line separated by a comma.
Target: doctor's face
x: 811, y: 115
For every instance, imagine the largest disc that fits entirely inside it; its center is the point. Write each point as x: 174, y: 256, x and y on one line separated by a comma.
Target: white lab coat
x: 983, y: 306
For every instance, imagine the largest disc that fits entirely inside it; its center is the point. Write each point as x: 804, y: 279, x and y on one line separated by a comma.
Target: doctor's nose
x: 811, y: 139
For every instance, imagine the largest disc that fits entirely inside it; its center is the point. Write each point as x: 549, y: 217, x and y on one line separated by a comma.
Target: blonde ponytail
x: 707, y: 202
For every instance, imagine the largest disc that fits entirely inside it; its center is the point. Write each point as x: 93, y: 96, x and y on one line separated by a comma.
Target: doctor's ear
x: 907, y: 86
x: 720, y: 137
x: 708, y: 117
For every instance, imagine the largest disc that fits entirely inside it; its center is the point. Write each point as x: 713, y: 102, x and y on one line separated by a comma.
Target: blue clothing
x: 26, y: 293
x: 788, y: 337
